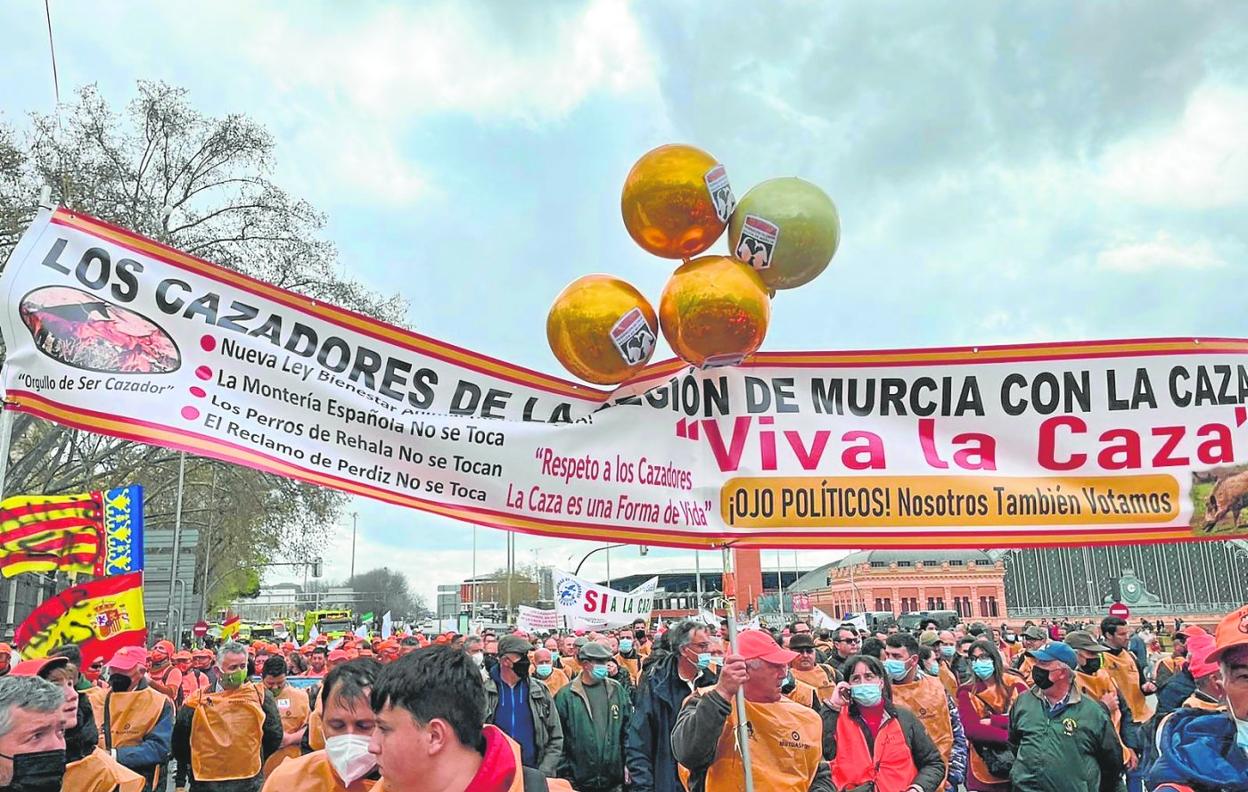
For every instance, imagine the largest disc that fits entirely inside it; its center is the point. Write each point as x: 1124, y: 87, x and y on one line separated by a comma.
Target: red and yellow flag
x: 51, y: 533
x: 230, y: 627
x: 101, y: 616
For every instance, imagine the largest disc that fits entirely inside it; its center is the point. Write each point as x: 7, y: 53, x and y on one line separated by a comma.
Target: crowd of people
x: 1044, y: 708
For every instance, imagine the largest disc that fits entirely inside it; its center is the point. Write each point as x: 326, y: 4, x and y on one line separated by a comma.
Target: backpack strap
x: 534, y: 781
x: 108, y: 719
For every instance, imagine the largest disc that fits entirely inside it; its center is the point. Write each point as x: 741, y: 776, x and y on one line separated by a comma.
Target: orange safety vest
x: 992, y: 700
x: 100, y: 772
x: 803, y: 694
x: 927, y: 699
x: 786, y: 747
x: 890, y: 767
x: 1097, y: 686
x: 555, y: 682
x: 316, y: 731
x: 311, y: 773
x: 570, y: 665
x: 948, y: 680
x: 162, y: 677
x: 131, y: 716
x: 1125, y: 672
x: 227, y: 730
x: 633, y: 664
x: 292, y: 706
x: 818, y: 678
x: 1196, y: 702
x: 192, y: 680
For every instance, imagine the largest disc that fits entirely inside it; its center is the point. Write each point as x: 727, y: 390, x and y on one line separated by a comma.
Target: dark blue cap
x: 1055, y: 650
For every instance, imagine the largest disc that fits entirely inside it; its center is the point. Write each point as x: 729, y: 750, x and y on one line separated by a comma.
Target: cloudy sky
x: 1004, y: 172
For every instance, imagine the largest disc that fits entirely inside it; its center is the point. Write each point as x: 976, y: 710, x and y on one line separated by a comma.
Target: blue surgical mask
x: 626, y: 645
x: 543, y: 670
x: 868, y: 694
x: 600, y: 672
x: 704, y: 660
x: 897, y: 669
x: 948, y: 651
x: 983, y: 668
x: 933, y: 669
x: 1241, y: 731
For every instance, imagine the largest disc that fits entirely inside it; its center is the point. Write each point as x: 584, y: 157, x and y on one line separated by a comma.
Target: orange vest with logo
x: 1097, y: 686
x: 311, y: 773
x: 131, y: 716
x: 818, y: 678
x: 100, y: 772
x: 226, y: 733
x: 786, y: 747
x: 890, y: 767
x: 292, y: 706
x: 992, y: 700
x: 927, y: 699
x: 1126, y: 673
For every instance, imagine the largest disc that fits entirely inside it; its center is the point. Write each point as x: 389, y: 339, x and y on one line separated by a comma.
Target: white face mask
x: 349, y: 755
x: 478, y: 658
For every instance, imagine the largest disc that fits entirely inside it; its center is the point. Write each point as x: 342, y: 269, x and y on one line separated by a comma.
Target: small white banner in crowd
x: 590, y: 606
x: 537, y: 619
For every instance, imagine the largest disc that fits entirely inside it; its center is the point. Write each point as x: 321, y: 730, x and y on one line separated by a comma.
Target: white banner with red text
x: 1007, y: 446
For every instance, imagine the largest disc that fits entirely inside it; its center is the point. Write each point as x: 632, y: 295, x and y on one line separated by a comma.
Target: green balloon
x: 791, y: 231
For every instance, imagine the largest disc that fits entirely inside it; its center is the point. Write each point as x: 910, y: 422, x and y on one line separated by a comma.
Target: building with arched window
x: 970, y: 582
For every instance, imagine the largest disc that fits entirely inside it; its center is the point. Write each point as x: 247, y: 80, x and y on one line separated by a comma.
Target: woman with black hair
x: 984, y: 706
x: 869, y: 740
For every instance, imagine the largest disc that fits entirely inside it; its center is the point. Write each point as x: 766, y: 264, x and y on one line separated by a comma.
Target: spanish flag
x: 230, y: 627
x: 50, y: 533
x: 101, y: 616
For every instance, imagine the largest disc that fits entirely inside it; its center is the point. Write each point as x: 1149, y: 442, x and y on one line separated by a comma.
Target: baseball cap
x: 929, y: 638
x: 128, y: 657
x: 1055, y: 650
x: 1232, y: 631
x: 5, y: 649
x: 201, y: 653
x: 183, y: 655
x: 1199, y: 648
x: 758, y: 645
x: 1084, y: 642
x: 1193, y: 630
x: 1034, y: 633
x: 513, y: 644
x: 337, y: 656
x: 38, y: 667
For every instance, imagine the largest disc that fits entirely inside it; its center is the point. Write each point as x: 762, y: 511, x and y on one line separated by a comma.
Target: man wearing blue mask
x: 627, y: 657
x: 927, y: 698
x: 594, y: 711
x: 666, y: 684
x: 1203, y: 751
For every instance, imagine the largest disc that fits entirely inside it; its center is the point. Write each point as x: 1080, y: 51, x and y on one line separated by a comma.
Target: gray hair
x: 680, y: 635
x: 30, y: 693
x: 230, y: 647
x: 472, y: 640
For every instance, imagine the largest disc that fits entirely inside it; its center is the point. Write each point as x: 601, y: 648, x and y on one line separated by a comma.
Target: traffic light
x: 316, y: 567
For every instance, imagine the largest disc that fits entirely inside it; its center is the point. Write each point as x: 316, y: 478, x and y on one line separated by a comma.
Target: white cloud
x: 1160, y: 253
x: 1200, y: 162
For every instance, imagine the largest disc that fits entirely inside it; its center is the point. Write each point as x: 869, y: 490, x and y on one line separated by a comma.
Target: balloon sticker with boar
x: 714, y: 311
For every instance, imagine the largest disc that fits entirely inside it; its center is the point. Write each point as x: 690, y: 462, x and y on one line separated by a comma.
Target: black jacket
x: 648, y: 749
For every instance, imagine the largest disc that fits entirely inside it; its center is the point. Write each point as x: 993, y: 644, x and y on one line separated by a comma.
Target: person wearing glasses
x: 807, y: 670
x: 844, y: 646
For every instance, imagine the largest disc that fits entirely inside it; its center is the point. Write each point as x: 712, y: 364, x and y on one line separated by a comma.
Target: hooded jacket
x: 1197, y: 750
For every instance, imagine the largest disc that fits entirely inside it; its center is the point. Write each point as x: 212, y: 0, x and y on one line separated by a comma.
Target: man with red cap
x: 786, y: 738
x: 135, y: 720
x: 87, y: 767
x: 204, y: 661
x: 1181, y: 685
x: 1202, y: 751
x: 163, y: 674
x: 6, y: 658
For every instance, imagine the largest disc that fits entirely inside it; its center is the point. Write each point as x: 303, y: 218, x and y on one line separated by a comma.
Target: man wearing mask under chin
x: 522, y: 709
x: 226, y: 732
x: 1202, y: 751
x: 32, y: 735
x: 786, y: 738
x: 594, y: 710
x: 134, y: 719
x: 667, y: 682
x: 1063, y: 740
x: 348, y: 721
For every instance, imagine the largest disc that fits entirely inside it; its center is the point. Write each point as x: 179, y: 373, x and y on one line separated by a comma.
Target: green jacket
x: 1071, y: 749
x: 589, y: 763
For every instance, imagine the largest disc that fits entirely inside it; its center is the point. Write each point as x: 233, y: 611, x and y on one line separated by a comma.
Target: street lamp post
x: 354, y: 519
x: 595, y: 550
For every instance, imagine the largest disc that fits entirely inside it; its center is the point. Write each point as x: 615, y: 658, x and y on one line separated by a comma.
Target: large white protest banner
x: 536, y: 619
x: 1009, y: 446
x: 590, y: 606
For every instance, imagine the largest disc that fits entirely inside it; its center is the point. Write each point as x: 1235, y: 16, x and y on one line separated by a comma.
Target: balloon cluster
x: 715, y: 309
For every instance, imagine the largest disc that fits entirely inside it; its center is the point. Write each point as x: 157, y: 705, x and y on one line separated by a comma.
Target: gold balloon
x: 601, y: 329
x: 714, y: 311
x: 668, y: 204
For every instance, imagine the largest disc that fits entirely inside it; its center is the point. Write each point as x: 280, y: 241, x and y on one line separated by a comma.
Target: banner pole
x: 6, y: 436
x: 743, y: 737
x: 177, y: 545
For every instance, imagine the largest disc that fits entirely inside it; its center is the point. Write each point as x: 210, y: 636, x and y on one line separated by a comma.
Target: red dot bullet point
x: 208, y: 343
x: 204, y: 373
x: 190, y: 413
x: 198, y: 392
